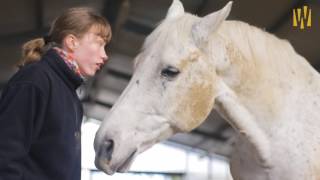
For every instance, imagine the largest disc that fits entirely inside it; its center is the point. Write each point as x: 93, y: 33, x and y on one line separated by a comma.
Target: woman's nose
x: 104, y: 56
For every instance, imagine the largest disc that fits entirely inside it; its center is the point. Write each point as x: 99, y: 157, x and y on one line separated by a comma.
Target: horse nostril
x: 107, y: 149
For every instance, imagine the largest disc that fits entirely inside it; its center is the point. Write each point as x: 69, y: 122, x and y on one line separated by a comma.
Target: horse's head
x: 172, y: 89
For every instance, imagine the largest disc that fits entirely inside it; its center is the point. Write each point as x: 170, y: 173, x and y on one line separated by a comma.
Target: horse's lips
x: 104, y: 166
x: 107, y: 167
x: 126, y: 164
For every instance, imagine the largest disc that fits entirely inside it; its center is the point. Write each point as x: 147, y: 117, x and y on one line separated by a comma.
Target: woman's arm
x: 20, y: 108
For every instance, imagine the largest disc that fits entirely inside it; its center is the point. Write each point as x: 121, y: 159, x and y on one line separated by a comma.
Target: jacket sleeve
x: 20, y: 108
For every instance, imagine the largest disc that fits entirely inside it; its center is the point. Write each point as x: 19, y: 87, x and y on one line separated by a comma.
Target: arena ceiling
x: 132, y: 21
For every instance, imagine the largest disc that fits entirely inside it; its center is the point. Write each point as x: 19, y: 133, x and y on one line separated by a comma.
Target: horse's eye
x: 170, y: 72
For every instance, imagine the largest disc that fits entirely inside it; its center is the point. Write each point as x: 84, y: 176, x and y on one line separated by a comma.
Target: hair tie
x: 46, y: 39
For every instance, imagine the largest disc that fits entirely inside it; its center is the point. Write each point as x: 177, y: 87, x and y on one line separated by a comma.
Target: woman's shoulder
x: 34, y: 74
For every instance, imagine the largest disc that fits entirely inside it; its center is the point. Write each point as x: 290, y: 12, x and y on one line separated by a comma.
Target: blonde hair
x: 75, y: 21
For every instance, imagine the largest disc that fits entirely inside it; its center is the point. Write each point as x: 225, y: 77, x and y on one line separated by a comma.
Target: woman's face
x: 90, y: 53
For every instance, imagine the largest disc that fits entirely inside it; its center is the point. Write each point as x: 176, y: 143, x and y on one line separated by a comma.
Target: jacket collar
x: 60, y: 67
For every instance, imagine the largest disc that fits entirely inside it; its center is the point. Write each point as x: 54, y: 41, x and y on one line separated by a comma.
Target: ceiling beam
x: 213, y: 135
x: 149, y: 172
x: 88, y: 99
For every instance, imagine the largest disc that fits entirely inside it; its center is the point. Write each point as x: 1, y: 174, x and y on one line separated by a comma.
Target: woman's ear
x: 70, y: 42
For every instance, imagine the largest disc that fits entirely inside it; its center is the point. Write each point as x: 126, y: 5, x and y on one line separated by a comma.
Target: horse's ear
x: 176, y: 9
x: 210, y: 23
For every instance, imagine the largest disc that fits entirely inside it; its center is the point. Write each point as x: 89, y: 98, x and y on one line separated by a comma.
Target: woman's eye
x: 100, y: 42
x: 170, y: 72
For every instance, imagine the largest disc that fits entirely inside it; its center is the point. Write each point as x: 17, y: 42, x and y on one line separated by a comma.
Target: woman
x: 40, y: 113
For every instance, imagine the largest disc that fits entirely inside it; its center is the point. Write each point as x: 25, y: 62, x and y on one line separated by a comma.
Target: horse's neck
x: 281, y: 92
x: 265, y: 72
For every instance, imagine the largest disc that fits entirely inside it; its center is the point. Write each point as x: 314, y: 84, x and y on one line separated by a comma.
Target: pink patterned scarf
x: 69, y: 60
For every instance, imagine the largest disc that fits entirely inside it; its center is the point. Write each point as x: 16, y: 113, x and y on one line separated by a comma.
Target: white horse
x: 188, y: 66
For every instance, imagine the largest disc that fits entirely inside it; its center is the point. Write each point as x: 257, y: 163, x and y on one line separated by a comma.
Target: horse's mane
x: 274, y: 56
x: 257, y: 44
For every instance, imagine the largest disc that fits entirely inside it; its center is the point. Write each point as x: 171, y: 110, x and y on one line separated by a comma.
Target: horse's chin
x: 110, y: 168
x: 104, y: 166
x: 124, y: 167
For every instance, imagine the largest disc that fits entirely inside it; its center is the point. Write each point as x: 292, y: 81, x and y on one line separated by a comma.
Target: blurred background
x: 200, y: 154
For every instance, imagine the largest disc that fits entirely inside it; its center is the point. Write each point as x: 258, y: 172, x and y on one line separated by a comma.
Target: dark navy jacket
x: 40, y: 119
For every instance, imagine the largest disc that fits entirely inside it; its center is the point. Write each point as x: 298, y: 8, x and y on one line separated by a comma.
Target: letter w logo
x: 302, y: 17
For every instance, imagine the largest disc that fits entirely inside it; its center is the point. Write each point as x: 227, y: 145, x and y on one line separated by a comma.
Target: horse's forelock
x: 177, y: 30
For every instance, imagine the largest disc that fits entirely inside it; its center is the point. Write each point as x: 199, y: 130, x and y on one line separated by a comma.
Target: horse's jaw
x: 126, y: 145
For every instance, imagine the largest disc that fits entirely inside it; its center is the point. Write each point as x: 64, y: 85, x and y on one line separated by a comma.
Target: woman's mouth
x: 98, y: 66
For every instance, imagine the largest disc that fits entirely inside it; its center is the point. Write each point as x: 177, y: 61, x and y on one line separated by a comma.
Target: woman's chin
x: 89, y: 73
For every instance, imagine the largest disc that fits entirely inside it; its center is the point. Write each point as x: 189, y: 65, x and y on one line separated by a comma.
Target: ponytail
x: 32, y: 51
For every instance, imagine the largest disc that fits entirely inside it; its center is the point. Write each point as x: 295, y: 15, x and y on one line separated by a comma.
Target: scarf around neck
x: 69, y: 60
